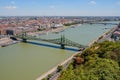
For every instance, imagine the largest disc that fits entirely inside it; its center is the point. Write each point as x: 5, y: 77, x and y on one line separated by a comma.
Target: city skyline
x: 59, y: 7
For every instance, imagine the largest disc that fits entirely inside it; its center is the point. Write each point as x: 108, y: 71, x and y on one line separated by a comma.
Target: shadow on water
x: 52, y: 46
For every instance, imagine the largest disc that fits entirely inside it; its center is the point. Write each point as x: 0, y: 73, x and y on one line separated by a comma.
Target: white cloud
x: 52, y: 6
x: 92, y: 2
x: 10, y: 7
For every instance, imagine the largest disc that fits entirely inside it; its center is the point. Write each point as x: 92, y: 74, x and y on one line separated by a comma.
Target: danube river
x: 25, y: 61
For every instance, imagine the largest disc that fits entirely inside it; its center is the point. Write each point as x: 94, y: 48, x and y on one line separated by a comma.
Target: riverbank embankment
x: 53, y: 71
x: 55, y: 30
x: 6, y: 41
x: 105, y: 36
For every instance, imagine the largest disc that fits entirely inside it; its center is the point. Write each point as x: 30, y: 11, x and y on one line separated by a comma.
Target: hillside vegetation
x: 99, y: 62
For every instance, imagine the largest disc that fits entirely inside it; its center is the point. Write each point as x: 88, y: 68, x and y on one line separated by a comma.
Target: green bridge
x: 60, y: 41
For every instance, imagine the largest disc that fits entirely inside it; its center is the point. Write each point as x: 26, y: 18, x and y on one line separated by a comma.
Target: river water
x: 26, y: 61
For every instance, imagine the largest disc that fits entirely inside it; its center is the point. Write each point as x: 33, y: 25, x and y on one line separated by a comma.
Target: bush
x: 59, y: 68
x: 49, y: 76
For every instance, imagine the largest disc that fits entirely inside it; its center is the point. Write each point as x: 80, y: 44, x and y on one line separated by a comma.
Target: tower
x: 62, y: 42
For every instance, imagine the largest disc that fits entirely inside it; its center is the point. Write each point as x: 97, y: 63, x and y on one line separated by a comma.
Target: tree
x: 101, y: 62
x: 104, y: 69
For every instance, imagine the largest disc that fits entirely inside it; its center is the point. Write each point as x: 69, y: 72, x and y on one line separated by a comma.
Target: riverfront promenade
x: 46, y: 31
x: 57, y: 30
x: 54, y: 69
x: 103, y: 37
x: 6, y: 41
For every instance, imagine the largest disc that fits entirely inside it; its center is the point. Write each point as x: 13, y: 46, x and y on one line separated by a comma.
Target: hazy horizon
x: 59, y: 7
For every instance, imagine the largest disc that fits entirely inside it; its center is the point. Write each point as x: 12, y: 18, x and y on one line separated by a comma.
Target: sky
x: 59, y: 7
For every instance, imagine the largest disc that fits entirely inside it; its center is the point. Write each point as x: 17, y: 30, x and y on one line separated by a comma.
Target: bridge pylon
x: 24, y: 35
x: 62, y: 42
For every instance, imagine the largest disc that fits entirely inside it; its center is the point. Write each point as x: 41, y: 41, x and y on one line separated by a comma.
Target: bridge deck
x: 58, y: 41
